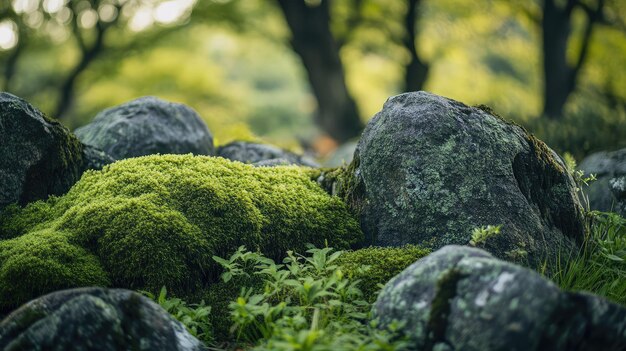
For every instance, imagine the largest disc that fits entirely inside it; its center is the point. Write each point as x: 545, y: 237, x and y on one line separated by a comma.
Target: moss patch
x: 158, y: 220
x: 375, y: 266
x: 44, y: 261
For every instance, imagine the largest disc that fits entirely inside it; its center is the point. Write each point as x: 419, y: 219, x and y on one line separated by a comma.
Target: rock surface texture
x: 38, y: 158
x: 608, y: 192
x: 262, y: 155
x: 94, y: 319
x: 428, y: 170
x: 462, y: 298
x: 147, y: 126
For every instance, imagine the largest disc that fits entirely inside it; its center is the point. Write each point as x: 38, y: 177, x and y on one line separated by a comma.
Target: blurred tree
x: 81, y: 27
x: 561, y: 69
x: 417, y: 70
x: 309, y: 22
x: 318, y: 40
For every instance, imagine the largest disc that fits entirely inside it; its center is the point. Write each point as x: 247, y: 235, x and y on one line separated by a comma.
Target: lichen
x: 158, y: 220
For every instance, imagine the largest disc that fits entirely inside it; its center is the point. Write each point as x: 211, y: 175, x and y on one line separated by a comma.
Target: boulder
x: 38, y: 158
x: 428, y: 170
x: 94, y: 319
x: 462, y: 298
x: 146, y: 126
x: 95, y: 158
x: 608, y: 192
x: 262, y: 155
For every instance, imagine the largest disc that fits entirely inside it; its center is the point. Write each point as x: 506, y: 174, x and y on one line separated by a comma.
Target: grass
x: 600, y: 265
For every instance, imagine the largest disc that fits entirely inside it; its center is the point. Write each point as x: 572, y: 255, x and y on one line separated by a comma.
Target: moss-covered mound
x: 157, y: 220
x: 375, y: 266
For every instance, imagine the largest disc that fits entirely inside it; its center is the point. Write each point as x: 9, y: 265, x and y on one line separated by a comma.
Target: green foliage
x: 306, y: 303
x: 158, y: 220
x: 600, y: 266
x: 43, y: 261
x: 584, y: 129
x: 195, y: 317
x: 482, y: 234
x: 375, y: 266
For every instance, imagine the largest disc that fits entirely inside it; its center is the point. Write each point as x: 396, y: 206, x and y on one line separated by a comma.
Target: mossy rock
x: 94, y: 319
x: 39, y: 157
x: 158, y: 220
x: 428, y: 170
x: 462, y: 298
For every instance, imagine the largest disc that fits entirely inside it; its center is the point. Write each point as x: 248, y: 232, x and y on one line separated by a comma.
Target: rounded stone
x: 147, y: 126
x: 462, y: 298
x: 428, y: 170
x: 94, y: 319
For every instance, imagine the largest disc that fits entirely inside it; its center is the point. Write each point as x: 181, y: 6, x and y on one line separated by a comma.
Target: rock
x: 94, y: 319
x: 462, y: 298
x: 428, y: 170
x: 146, y: 126
x: 608, y: 192
x: 95, y: 158
x: 342, y: 156
x: 255, y: 153
x: 39, y: 157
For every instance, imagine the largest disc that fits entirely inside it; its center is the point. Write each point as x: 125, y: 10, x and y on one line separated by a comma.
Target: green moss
x: 44, y: 261
x: 158, y: 220
x: 374, y: 266
x: 17, y: 220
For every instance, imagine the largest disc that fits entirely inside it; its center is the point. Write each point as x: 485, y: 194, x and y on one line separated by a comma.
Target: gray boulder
x: 462, y: 298
x: 95, y: 158
x: 262, y: 155
x: 608, y: 192
x: 146, y: 126
x: 39, y: 157
x: 94, y: 319
x: 428, y: 170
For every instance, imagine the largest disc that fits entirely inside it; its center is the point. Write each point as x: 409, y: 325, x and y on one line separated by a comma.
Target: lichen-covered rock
x: 38, y: 157
x: 428, y: 170
x: 462, y: 298
x: 147, y: 126
x: 608, y: 192
x: 262, y: 154
x: 150, y: 221
x: 94, y: 319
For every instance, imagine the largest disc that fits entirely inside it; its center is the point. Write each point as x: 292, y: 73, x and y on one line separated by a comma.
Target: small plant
x: 482, y: 234
x: 579, y: 177
x: 194, y: 317
x: 305, y: 303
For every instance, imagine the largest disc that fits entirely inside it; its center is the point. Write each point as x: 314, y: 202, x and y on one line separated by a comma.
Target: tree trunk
x: 558, y: 83
x: 313, y: 41
x: 417, y: 70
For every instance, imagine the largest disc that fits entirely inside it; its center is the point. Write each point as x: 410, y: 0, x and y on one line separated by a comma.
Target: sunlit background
x: 243, y: 67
